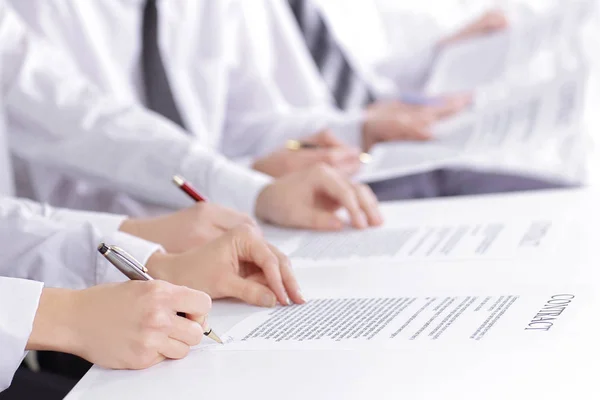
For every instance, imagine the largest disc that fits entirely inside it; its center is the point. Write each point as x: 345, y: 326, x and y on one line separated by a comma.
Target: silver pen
x: 135, y: 271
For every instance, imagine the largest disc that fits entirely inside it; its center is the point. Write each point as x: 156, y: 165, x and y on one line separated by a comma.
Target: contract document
x: 479, y: 240
x: 383, y: 307
x: 401, y: 321
x: 526, y: 117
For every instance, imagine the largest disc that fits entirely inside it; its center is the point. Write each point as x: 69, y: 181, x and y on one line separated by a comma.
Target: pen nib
x: 214, y: 336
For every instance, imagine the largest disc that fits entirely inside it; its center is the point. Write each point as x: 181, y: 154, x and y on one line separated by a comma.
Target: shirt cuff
x: 349, y: 127
x: 245, y: 162
x: 16, y: 323
x: 139, y: 249
x: 105, y: 223
x: 226, y: 183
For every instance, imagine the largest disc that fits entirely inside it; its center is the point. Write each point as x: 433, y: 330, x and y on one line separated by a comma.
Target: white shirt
x: 19, y: 299
x: 36, y: 249
x: 389, y: 60
x: 57, y: 247
x: 71, y: 128
x: 43, y: 244
x: 226, y: 100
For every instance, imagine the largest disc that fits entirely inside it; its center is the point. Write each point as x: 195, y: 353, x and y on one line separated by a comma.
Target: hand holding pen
x: 132, y: 269
x: 322, y: 148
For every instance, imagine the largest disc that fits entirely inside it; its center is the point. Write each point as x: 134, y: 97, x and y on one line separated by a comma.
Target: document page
x: 402, y: 321
x: 469, y: 64
x: 523, y: 117
x: 484, y: 240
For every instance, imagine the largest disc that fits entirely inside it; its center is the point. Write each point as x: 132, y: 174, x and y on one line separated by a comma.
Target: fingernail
x: 301, y: 296
x: 268, y: 301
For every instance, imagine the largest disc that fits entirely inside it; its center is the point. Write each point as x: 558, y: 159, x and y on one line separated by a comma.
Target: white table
x: 549, y: 372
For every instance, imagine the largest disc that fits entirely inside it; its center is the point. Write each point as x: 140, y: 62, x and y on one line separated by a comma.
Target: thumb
x: 251, y: 292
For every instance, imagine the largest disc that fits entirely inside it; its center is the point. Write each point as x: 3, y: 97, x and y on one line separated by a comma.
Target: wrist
x: 54, y: 325
x: 259, y: 208
x: 131, y: 226
x: 158, y: 266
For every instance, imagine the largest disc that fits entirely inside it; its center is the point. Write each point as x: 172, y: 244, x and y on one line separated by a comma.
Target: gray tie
x: 322, y: 47
x: 159, y: 97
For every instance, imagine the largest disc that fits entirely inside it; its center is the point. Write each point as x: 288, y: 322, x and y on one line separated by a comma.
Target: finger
x: 349, y: 168
x: 174, y: 349
x: 186, y: 331
x: 320, y: 220
x: 350, y: 165
x: 414, y: 128
x: 341, y: 191
x: 289, y: 279
x: 251, y: 292
x: 190, y: 301
x: 254, y: 249
x: 493, y: 20
x: 338, y: 157
x: 229, y: 219
x: 159, y: 358
x: 369, y: 204
x: 328, y: 139
x: 450, y: 106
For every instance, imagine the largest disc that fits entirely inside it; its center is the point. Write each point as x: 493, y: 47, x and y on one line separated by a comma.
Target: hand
x: 491, y: 21
x: 131, y: 325
x: 240, y: 264
x: 310, y: 199
x: 392, y: 121
x: 188, y: 228
x: 331, y: 151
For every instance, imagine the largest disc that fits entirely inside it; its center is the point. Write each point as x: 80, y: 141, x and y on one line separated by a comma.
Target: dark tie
x: 159, y: 97
x: 323, y: 48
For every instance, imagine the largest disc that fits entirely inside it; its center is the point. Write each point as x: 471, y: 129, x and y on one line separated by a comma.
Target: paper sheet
x: 402, y: 321
x: 480, y: 240
x: 523, y: 118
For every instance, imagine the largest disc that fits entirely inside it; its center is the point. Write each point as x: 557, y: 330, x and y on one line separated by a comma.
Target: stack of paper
x: 529, y: 85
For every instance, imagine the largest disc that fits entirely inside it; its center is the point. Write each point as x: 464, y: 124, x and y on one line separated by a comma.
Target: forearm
x: 106, y: 223
x: 53, y: 325
x: 80, y: 132
x: 60, y: 255
x: 257, y: 135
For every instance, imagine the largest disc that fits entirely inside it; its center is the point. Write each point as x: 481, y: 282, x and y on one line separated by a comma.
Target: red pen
x: 188, y: 189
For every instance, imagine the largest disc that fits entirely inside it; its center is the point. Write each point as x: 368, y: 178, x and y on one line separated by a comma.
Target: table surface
x: 279, y: 374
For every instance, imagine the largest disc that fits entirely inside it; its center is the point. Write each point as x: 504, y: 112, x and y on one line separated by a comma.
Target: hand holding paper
x: 240, y: 264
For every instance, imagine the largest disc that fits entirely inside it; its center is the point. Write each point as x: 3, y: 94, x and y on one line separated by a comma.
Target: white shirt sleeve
x: 106, y: 223
x: 85, y: 134
x: 46, y: 250
x: 19, y: 300
x: 259, y: 119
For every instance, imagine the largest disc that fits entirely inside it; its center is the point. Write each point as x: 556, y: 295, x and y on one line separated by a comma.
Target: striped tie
x: 159, y: 97
x: 347, y: 88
